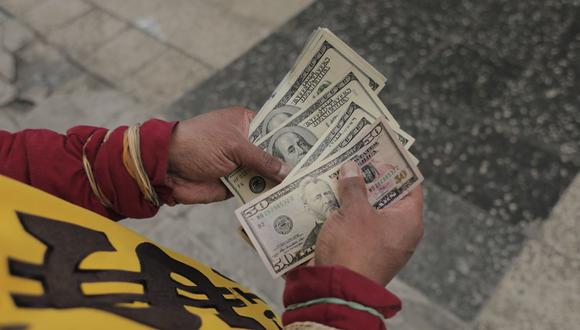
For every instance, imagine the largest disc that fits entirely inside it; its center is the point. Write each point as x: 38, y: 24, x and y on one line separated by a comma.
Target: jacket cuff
x: 106, y: 157
x: 308, y: 283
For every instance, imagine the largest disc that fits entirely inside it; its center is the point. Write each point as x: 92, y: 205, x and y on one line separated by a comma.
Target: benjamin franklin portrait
x: 277, y: 117
x: 291, y: 144
x: 320, y: 201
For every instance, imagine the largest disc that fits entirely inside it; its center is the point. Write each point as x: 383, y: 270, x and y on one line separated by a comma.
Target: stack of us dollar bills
x: 324, y: 113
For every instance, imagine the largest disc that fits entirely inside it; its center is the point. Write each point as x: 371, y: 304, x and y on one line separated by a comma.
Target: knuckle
x: 337, y: 215
x: 230, y: 148
x: 238, y: 109
x: 267, y: 160
x: 350, y: 187
x: 235, y: 145
x: 342, y: 215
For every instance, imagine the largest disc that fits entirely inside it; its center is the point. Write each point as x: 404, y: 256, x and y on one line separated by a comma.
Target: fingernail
x: 349, y: 170
x: 284, y: 171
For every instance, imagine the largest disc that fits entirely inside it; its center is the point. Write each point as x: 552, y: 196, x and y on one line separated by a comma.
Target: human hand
x: 209, y: 146
x: 374, y: 243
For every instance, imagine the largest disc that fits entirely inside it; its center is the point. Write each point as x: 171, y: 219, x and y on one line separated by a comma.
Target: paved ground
x: 489, y: 88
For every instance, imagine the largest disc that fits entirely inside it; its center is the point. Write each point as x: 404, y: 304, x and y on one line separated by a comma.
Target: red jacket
x: 53, y: 163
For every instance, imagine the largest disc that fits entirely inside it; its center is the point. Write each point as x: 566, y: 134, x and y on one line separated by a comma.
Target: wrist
x: 156, y: 144
x: 363, y: 265
x: 173, y: 151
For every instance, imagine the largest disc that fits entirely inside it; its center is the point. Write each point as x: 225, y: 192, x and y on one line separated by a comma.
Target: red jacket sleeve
x: 308, y: 283
x: 53, y: 162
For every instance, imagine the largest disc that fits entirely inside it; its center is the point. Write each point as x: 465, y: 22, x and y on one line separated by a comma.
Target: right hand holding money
x: 374, y: 243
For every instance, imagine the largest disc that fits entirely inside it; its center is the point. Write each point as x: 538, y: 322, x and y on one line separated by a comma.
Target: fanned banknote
x: 283, y: 223
x: 324, y: 62
x: 339, y: 137
x: 293, y: 139
x: 344, y: 128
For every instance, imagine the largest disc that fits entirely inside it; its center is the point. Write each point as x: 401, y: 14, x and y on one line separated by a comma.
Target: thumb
x: 252, y: 157
x: 351, y: 187
x: 190, y: 192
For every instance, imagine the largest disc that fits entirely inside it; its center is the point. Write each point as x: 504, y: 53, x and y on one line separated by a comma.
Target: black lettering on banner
x: 68, y: 244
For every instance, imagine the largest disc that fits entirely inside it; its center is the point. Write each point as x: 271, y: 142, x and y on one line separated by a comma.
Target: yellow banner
x: 63, y: 267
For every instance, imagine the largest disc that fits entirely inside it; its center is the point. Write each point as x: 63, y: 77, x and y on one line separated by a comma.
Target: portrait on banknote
x: 291, y: 144
x: 320, y: 201
x: 277, y: 117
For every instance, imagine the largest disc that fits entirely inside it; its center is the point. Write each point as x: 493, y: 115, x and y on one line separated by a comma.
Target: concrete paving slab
x: 82, y: 83
x: 85, y: 35
x: 518, y: 32
x: 52, y: 14
x: 508, y: 175
x: 562, y: 231
x: 19, y: 7
x: 165, y: 78
x: 463, y: 254
x: 544, y: 103
x: 7, y: 92
x: 7, y: 66
x: 145, y: 227
x: 192, y: 26
x: 41, y: 70
x: 419, y: 312
x: 15, y: 35
x: 8, y: 122
x: 3, y: 16
x: 98, y: 108
x: 267, y: 11
x: 541, y: 289
x: 124, y: 55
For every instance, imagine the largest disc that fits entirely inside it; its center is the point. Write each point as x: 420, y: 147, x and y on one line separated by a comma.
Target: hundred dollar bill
x: 340, y: 137
x: 299, y: 133
x: 283, y: 224
x: 352, y: 121
x: 325, y: 62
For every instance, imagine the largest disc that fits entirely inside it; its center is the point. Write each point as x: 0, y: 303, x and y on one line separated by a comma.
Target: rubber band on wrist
x: 134, y: 164
x: 91, y: 177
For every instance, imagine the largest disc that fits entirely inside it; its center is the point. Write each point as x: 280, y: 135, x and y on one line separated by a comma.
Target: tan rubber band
x: 92, y: 181
x: 134, y: 164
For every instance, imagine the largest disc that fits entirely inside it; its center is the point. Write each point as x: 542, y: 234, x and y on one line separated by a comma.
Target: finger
x: 413, y: 200
x: 249, y: 115
x: 254, y: 158
x: 351, y: 187
x: 416, y: 196
x: 411, y: 205
x: 200, y: 192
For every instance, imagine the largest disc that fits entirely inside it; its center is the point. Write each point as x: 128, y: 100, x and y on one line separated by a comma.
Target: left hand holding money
x: 209, y: 146
x: 376, y: 244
